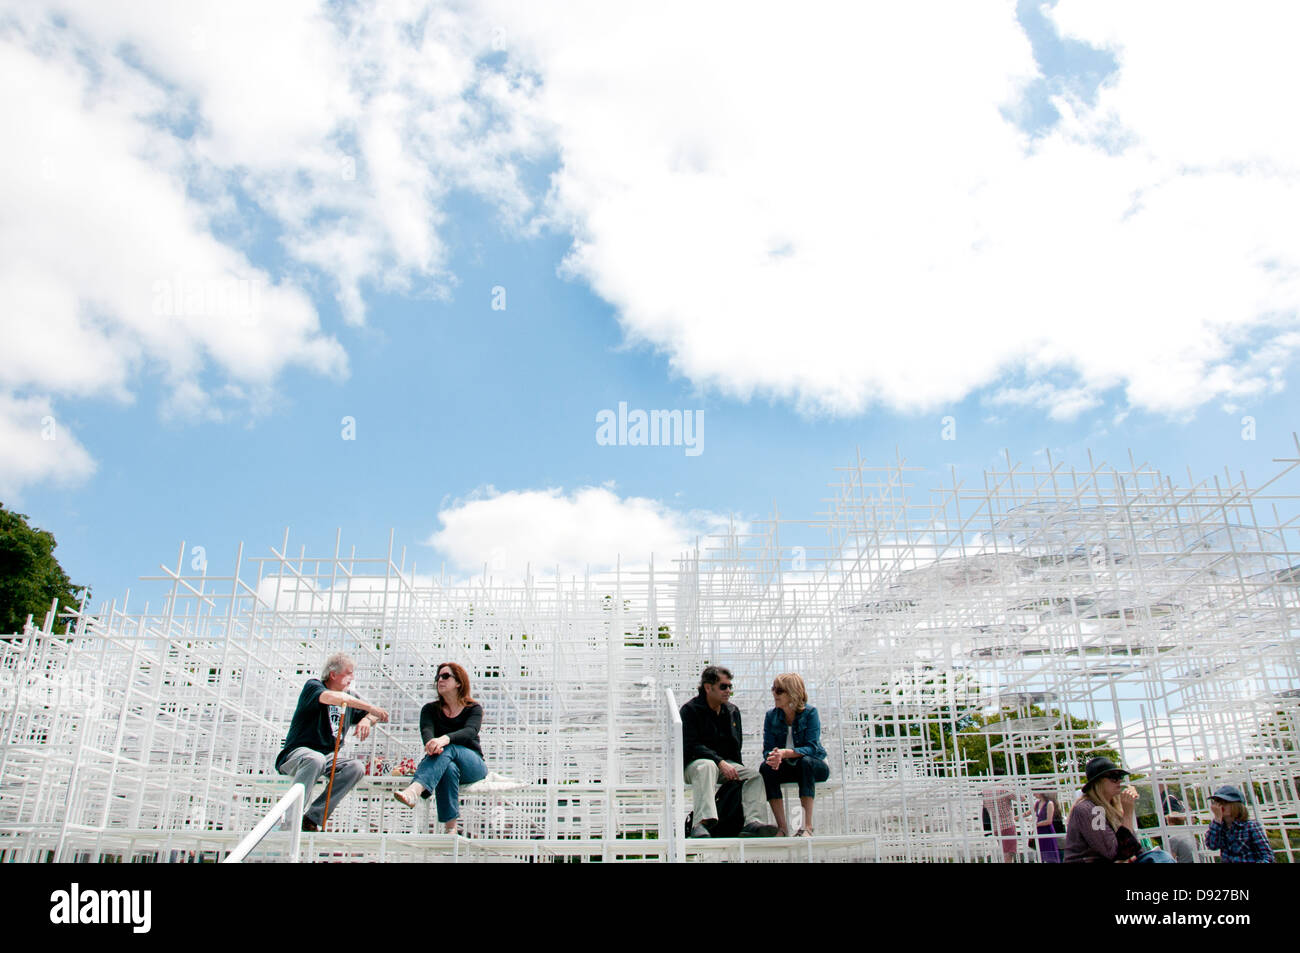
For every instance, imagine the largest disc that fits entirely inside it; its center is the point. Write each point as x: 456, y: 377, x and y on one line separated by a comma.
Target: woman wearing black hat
x: 1103, y: 822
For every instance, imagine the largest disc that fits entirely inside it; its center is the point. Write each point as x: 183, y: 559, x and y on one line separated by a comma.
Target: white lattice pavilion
x: 1165, y: 614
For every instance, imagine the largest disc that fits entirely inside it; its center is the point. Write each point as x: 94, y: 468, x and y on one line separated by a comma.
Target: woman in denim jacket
x: 792, y: 751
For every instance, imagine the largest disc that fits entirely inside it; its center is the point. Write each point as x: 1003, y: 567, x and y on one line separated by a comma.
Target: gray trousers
x: 702, y: 776
x: 307, y: 766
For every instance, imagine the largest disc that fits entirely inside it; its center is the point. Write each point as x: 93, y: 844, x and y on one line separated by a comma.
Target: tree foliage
x: 954, y: 728
x: 974, y: 744
x: 30, y: 577
x: 1276, y: 734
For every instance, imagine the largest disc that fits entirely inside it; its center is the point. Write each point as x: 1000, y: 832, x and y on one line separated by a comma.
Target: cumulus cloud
x: 155, y: 142
x: 838, y: 209
x: 1061, y: 403
x: 303, y: 594
x: 37, y: 446
x: 834, y: 207
x: 549, y: 530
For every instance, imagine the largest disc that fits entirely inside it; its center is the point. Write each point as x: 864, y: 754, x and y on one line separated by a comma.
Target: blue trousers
x: 444, y: 773
x: 807, y: 771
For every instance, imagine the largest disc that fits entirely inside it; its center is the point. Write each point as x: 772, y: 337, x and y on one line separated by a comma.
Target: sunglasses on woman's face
x: 442, y: 675
x: 777, y: 691
x: 1115, y: 776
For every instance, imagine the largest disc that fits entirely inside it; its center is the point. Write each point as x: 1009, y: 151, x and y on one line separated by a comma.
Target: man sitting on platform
x: 712, y: 740
x: 309, y: 748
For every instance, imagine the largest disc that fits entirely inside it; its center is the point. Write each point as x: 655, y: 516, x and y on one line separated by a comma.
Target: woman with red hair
x: 452, y: 756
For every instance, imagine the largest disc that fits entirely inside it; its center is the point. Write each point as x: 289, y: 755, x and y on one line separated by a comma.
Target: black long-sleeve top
x: 717, y: 737
x: 461, y: 730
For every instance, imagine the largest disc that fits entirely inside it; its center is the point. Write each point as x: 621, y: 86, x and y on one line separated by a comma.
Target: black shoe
x: 755, y: 829
x: 309, y: 825
x: 699, y: 830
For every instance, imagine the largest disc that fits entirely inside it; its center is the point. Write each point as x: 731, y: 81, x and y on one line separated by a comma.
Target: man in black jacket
x: 712, y: 739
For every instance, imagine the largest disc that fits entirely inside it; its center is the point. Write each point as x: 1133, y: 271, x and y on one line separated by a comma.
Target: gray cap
x: 1228, y: 793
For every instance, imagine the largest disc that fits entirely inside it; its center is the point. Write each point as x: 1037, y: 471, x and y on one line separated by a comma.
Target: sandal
x: 401, y: 796
x: 804, y: 832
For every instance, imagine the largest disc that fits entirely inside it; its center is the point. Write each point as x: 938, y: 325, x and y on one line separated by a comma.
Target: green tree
x: 1275, y: 734
x: 943, y: 715
x: 928, y: 706
x: 974, y: 742
x: 30, y: 577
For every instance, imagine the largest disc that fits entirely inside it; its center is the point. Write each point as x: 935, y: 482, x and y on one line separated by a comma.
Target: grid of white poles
x: 1163, y: 614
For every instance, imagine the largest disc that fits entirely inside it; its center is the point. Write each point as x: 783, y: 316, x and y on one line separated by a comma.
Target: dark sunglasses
x: 1114, y: 775
x: 777, y: 691
x: 725, y: 687
x: 442, y: 675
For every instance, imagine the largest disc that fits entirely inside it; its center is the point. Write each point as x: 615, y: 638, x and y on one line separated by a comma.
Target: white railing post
x: 676, y: 781
x: 294, y: 797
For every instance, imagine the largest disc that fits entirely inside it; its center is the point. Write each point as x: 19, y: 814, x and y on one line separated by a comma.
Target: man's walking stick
x: 329, y: 788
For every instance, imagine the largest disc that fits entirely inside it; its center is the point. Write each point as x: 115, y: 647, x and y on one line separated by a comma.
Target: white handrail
x: 676, y: 781
x: 295, y: 796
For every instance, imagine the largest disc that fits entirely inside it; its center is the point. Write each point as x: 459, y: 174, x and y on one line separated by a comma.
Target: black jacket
x: 706, y: 735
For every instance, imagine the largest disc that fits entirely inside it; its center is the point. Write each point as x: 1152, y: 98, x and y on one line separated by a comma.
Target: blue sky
x: 1018, y: 220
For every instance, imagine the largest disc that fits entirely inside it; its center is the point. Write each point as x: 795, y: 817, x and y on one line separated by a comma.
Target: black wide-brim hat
x: 1098, y: 766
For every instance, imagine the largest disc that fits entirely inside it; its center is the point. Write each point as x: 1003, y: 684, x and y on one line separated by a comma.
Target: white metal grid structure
x: 1164, y: 616
x: 184, y: 709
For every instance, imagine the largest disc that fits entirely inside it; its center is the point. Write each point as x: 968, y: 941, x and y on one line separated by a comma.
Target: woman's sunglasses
x: 442, y: 675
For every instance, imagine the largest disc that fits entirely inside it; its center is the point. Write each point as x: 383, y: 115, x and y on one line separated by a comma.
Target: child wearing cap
x: 1237, y: 838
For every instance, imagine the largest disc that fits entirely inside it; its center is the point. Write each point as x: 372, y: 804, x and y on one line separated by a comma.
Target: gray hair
x: 336, y: 663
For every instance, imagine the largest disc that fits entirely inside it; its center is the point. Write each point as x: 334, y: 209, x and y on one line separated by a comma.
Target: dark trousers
x: 805, y: 772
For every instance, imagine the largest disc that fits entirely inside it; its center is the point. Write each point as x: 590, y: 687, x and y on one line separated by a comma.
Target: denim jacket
x: 807, y: 732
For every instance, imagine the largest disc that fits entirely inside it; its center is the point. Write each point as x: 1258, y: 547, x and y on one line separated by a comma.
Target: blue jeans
x: 444, y: 773
x: 806, y: 771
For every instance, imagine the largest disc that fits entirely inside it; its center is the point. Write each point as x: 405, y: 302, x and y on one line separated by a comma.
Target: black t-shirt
x: 314, y: 725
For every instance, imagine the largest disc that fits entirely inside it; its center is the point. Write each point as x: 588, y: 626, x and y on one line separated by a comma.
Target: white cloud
x: 1062, y: 403
x: 832, y: 208
x: 549, y: 530
x: 142, y: 134
x: 37, y: 445
x: 304, y: 594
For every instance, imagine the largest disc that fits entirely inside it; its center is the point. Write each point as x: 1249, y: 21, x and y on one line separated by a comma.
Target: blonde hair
x: 793, y: 686
x: 1114, y: 810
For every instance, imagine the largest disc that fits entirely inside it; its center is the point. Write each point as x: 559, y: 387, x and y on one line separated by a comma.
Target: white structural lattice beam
x: 1039, y: 599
